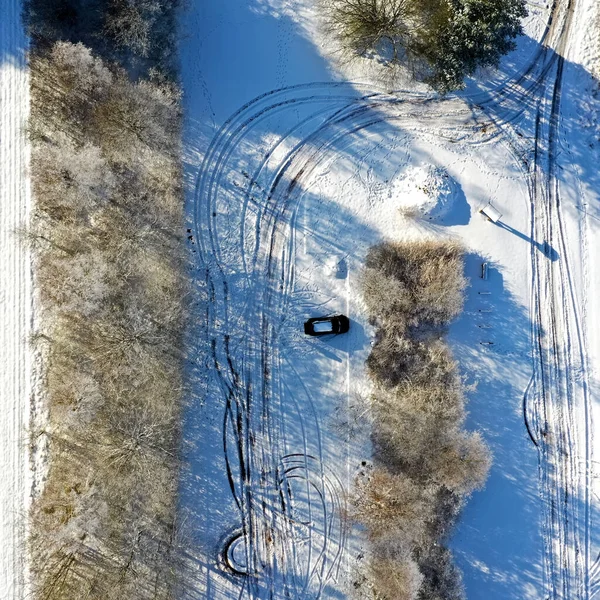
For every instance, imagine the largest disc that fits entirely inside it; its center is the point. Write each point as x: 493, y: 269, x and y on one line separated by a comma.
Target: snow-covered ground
x: 291, y: 175
x: 15, y: 304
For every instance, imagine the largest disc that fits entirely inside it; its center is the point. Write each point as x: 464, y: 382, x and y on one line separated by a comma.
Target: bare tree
x: 361, y: 26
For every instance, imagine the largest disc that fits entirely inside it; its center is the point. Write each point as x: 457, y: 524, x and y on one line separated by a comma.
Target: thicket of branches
x: 440, y: 41
x: 139, y: 34
x: 107, y: 229
x: 425, y: 463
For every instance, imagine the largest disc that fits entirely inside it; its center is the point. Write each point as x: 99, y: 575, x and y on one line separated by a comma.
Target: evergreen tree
x: 477, y: 34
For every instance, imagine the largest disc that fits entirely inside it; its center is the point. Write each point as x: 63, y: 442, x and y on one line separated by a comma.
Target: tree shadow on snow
x: 491, y: 341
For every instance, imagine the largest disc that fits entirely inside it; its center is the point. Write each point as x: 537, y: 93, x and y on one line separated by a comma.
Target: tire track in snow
x: 277, y: 211
x: 288, y: 179
x: 558, y: 398
x: 274, y: 211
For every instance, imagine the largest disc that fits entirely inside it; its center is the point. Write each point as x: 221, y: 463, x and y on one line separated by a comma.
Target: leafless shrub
x: 128, y: 121
x: 442, y: 579
x: 394, y: 574
x: 427, y: 451
x: 396, y: 358
x: 461, y: 462
x: 436, y: 399
x: 427, y: 465
x: 408, y: 284
x: 389, y: 298
x: 406, y: 442
x: 392, y: 507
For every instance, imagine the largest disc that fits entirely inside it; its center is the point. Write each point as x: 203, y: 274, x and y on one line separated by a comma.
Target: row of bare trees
x: 110, y: 270
x: 425, y: 463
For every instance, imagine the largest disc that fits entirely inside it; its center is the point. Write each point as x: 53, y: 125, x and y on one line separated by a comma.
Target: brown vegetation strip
x: 107, y: 229
x: 425, y: 463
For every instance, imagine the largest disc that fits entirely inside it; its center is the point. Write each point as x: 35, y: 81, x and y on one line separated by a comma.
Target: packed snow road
x: 15, y: 305
x: 557, y: 404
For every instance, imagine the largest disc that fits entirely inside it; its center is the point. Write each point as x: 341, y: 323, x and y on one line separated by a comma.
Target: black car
x: 327, y: 325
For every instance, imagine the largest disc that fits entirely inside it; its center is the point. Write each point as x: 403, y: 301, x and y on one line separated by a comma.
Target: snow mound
x: 424, y: 191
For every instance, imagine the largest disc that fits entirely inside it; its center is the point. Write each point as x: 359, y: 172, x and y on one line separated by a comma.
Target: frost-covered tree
x: 129, y: 23
x: 143, y: 28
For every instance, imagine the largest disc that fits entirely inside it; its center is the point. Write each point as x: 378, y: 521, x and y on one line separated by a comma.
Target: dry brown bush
x: 412, y: 283
x: 398, y: 358
x: 426, y: 464
x: 436, y: 400
x: 405, y: 443
x: 427, y: 451
x: 141, y: 27
x: 361, y: 26
x: 418, y: 433
x: 392, y: 507
x: 394, y: 575
x: 461, y: 462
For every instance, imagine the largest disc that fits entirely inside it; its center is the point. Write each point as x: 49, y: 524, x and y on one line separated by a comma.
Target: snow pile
x: 424, y: 191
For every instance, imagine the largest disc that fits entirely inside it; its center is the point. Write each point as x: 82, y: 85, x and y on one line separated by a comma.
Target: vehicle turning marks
x: 291, y: 537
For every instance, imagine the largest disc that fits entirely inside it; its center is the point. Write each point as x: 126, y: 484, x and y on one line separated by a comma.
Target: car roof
x: 323, y: 326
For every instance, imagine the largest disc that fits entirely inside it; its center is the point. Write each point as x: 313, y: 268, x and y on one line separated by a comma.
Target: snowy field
x: 291, y: 174
x: 15, y: 304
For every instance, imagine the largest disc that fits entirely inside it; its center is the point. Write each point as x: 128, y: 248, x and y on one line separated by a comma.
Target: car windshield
x: 323, y: 326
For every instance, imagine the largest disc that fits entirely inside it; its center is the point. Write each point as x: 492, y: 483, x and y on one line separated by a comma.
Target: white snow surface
x: 15, y: 305
x: 291, y: 175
